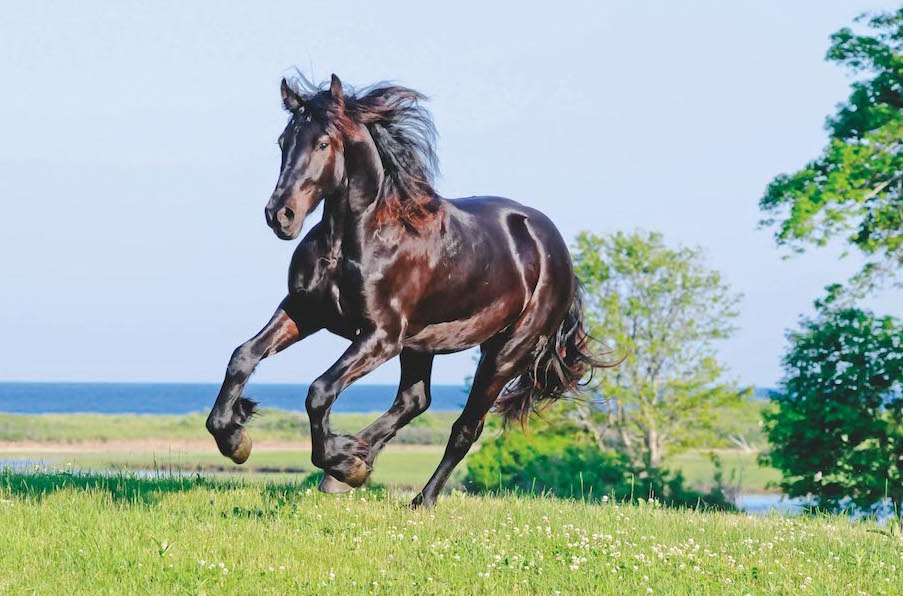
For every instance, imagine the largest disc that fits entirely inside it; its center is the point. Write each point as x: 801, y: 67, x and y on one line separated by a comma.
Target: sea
x: 185, y: 398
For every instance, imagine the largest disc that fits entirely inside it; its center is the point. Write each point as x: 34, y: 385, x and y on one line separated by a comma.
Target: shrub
x: 564, y: 462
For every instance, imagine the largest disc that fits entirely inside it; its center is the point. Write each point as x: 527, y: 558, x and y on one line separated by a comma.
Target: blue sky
x: 138, y: 148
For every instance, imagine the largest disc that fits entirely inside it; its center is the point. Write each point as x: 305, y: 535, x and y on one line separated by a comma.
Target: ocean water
x: 183, y: 398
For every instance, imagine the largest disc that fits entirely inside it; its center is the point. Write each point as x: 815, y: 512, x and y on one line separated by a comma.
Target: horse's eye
x: 323, y: 146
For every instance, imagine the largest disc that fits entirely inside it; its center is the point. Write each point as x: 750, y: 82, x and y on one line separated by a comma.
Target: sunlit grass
x: 64, y: 533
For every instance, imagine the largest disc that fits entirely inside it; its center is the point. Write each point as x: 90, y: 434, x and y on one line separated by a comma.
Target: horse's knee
x: 242, y: 362
x: 319, y: 397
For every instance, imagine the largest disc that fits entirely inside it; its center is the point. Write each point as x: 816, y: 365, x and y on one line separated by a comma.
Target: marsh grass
x: 430, y: 429
x: 72, y: 533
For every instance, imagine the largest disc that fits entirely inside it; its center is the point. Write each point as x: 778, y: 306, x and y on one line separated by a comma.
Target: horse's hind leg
x: 502, y: 359
x: 412, y: 399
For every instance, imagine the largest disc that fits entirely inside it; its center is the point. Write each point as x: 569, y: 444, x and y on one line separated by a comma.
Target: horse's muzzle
x: 283, y: 220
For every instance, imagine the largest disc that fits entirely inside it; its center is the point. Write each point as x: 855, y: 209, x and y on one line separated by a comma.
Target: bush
x: 565, y: 463
x: 837, y: 431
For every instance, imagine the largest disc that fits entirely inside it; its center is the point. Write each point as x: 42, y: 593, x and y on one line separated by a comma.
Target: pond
x: 764, y: 504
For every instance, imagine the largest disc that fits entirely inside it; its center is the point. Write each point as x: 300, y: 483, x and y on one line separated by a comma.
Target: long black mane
x: 402, y: 129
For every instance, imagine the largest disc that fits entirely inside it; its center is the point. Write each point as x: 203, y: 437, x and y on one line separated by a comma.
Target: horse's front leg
x: 344, y: 457
x: 230, y: 412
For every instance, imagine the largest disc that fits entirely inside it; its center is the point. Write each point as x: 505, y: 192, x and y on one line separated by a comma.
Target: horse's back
x: 499, y: 253
x: 516, y: 218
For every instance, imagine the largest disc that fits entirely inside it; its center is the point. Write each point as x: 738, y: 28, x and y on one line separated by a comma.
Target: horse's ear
x: 290, y: 100
x: 335, y: 90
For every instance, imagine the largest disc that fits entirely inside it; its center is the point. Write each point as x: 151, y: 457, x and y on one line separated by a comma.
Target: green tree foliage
x: 837, y: 432
x: 854, y: 189
x: 663, y: 309
x: 566, y: 462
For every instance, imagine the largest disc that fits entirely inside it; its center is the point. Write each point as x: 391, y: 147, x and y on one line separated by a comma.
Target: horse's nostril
x: 285, y: 216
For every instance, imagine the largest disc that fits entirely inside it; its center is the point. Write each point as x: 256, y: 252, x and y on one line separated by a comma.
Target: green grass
x: 404, y: 467
x: 398, y: 466
x: 429, y: 429
x: 739, y: 467
x: 89, y: 534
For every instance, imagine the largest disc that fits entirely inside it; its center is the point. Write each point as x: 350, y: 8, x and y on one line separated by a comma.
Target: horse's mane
x: 404, y: 134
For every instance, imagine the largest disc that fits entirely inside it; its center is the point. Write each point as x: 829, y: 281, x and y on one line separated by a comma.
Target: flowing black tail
x: 557, y: 368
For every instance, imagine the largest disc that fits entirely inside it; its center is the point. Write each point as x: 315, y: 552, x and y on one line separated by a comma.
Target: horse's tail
x: 556, y: 368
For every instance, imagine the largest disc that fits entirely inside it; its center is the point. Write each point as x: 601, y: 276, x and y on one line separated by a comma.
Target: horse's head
x: 313, y: 161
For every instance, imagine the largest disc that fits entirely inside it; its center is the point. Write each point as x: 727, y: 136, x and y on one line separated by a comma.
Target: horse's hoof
x: 243, y: 451
x: 331, y: 486
x: 357, y: 475
x: 421, y: 502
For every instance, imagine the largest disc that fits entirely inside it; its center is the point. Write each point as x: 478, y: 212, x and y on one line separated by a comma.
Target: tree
x: 664, y: 310
x: 837, y: 434
x: 854, y: 189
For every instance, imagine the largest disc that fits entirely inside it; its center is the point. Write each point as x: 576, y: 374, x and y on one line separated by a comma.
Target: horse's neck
x: 365, y: 174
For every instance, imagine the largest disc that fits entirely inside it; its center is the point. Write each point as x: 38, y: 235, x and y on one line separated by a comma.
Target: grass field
x: 83, y: 534
x: 180, y: 443
x: 429, y: 429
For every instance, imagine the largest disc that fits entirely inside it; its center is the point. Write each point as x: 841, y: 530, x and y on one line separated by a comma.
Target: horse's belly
x: 453, y: 336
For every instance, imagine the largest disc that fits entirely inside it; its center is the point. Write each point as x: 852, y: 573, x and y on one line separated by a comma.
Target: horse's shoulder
x: 311, y: 262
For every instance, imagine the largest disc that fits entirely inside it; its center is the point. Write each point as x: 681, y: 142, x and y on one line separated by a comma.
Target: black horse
x: 400, y: 271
